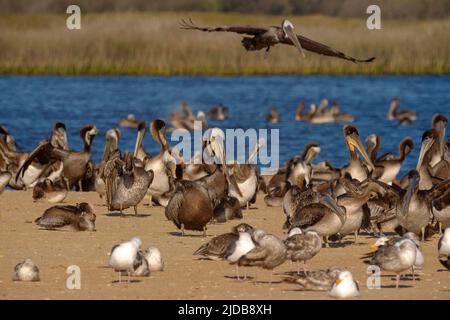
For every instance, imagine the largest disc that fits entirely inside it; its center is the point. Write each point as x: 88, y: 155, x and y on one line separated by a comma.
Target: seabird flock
x: 321, y: 204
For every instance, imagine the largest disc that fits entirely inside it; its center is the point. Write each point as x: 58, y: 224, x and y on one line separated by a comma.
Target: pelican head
x: 353, y: 141
x: 288, y: 29
x: 428, y: 139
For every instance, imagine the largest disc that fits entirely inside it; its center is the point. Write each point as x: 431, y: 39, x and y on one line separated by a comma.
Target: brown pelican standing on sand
x: 356, y: 168
x: 417, y: 204
x: 217, y: 247
x: 401, y: 116
x: 162, y: 165
x: 74, y: 163
x: 273, y: 116
x: 80, y: 217
x: 192, y: 204
x: 50, y: 191
x: 126, y: 183
x: 267, y: 37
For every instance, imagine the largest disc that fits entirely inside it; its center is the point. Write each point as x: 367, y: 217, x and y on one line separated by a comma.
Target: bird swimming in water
x: 80, y: 217
x: 273, y: 116
x: 26, y: 271
x: 345, y: 287
x: 404, y: 117
x: 259, y: 38
x: 125, y: 257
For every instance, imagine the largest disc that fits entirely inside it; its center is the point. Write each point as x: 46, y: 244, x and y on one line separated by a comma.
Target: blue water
x: 30, y: 105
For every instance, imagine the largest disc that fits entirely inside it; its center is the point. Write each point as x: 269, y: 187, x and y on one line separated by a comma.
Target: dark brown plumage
x: 80, y: 217
x: 267, y: 37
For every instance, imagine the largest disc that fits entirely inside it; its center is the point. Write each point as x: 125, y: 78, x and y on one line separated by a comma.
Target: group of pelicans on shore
x: 320, y: 203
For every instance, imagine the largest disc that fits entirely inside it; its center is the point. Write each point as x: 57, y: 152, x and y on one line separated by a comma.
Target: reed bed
x: 152, y: 43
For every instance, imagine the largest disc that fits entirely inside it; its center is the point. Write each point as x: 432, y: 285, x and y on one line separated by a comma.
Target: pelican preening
x: 80, y: 217
x: 258, y: 38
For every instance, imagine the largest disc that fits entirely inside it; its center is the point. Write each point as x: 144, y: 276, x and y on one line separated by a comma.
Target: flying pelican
x: 267, y: 37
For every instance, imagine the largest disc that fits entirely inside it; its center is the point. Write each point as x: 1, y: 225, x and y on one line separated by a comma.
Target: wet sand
x: 185, y: 276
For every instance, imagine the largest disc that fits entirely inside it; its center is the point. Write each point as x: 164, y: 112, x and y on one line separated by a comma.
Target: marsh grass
x: 152, y: 43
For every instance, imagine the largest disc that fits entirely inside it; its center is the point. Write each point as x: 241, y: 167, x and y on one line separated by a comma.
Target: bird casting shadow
x: 131, y: 215
x: 180, y: 235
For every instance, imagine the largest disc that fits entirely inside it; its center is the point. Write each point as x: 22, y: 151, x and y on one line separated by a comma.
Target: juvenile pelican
x: 266, y: 37
x: 80, y: 217
x: 126, y: 183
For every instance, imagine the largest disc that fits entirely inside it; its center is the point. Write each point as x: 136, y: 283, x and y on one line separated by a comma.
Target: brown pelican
x: 126, y: 257
x: 444, y: 249
x: 299, y: 111
x: 126, y: 183
x: 58, y: 139
x: 322, y: 280
x: 269, y: 252
x: 193, y: 203
x: 246, y: 178
x: 401, y: 116
x: 344, y: 287
x: 185, y: 119
x: 110, y: 150
x: 218, y: 246
x: 26, y: 271
x: 415, y: 213
x: 302, y: 247
x: 439, y: 166
x: 356, y: 168
x: 129, y: 122
x: 50, y: 191
x: 228, y: 209
x: 78, y: 218
x: 386, y: 170
x: 397, y: 258
x: 7, y: 138
x: 339, y: 116
x: 73, y: 163
x: 273, y: 116
x: 266, y: 37
x: 218, y: 113
x: 162, y: 165
x: 139, y: 150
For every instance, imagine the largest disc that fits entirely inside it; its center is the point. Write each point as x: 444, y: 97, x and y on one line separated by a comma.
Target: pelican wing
x: 250, y: 30
x: 322, y: 49
x: 45, y: 153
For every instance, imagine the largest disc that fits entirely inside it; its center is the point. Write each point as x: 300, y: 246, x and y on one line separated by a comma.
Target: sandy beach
x: 185, y: 276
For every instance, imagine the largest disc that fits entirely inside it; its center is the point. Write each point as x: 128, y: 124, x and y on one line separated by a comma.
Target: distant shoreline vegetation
x: 150, y: 43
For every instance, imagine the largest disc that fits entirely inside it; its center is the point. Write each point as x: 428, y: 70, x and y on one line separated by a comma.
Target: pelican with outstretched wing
x: 267, y: 37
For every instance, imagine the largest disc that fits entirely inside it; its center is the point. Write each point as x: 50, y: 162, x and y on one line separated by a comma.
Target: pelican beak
x: 338, y: 280
x: 329, y: 202
x: 426, y: 145
x: 232, y: 181
x: 139, y: 139
x: 107, y: 149
x: 409, y: 193
x: 353, y: 141
x: 288, y: 29
x: 373, y: 247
